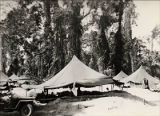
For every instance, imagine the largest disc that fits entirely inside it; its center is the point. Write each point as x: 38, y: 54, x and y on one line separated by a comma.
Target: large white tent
x: 139, y: 76
x: 76, y: 72
x: 3, y: 78
x: 120, y: 76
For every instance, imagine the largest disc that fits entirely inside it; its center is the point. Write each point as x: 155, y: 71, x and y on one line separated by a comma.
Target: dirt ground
x: 64, y: 107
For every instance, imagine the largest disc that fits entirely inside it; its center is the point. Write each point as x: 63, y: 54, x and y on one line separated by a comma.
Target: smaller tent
x: 3, y: 78
x: 16, y: 78
x: 139, y: 76
x: 26, y: 82
x: 22, y: 79
x: 120, y: 76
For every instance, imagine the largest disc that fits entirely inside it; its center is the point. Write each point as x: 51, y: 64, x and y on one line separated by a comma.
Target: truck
x: 24, y: 105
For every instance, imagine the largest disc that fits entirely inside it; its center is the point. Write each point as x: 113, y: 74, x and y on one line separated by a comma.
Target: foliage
x: 42, y: 36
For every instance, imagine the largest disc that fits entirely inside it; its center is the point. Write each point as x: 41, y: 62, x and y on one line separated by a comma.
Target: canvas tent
x: 3, y: 78
x: 22, y: 79
x: 158, y: 86
x: 120, y: 76
x: 76, y: 72
x: 139, y: 76
x: 14, y: 77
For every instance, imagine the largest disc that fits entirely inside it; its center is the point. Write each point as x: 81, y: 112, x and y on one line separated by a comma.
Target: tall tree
x: 129, y: 20
x: 105, y: 22
x: 118, y: 50
x: 75, y: 29
x: 155, y: 35
x: 24, y: 40
x: 60, y: 37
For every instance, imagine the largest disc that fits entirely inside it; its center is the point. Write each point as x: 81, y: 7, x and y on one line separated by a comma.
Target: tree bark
x: 48, y: 16
x: 118, y: 57
x: 0, y: 53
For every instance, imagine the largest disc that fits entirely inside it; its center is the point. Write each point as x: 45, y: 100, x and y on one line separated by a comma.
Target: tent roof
x: 74, y: 72
x: 138, y: 77
x: 120, y: 76
x: 14, y: 77
x: 3, y: 78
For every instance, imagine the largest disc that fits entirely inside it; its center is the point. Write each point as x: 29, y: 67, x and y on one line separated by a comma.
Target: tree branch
x: 86, y: 14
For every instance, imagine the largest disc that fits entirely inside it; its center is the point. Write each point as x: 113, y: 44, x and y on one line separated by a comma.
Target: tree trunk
x: 128, y: 35
x: 132, y: 61
x: 105, y: 49
x: 119, y: 42
x: 48, y: 16
x: 0, y: 53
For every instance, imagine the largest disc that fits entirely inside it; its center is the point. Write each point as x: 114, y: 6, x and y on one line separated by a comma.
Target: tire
x: 26, y: 110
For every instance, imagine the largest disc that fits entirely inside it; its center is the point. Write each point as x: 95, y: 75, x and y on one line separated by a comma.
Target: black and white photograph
x: 79, y: 57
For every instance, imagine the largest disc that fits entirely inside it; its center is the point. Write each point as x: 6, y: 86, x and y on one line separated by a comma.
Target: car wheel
x: 26, y: 110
